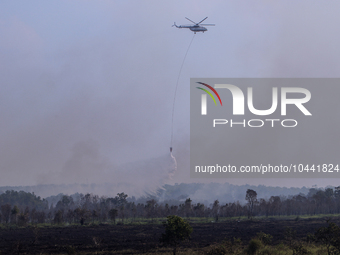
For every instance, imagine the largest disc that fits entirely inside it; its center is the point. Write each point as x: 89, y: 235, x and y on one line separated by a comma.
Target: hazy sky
x: 88, y: 86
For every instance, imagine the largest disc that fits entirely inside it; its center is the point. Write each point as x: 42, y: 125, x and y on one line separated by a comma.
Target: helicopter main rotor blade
x: 190, y: 20
x: 202, y: 20
x: 207, y: 24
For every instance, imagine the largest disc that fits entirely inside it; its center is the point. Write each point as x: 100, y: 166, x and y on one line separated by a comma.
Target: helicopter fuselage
x: 198, y: 29
x: 194, y: 28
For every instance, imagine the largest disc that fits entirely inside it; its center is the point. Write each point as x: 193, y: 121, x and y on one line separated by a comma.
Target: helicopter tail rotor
x: 174, y: 25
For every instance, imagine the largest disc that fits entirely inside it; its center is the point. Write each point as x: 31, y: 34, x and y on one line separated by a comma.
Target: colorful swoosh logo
x: 208, y: 92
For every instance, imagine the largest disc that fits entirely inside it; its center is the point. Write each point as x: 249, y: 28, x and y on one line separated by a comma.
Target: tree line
x: 22, y: 208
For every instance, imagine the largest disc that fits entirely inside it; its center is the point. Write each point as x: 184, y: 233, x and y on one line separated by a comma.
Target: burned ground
x: 142, y: 238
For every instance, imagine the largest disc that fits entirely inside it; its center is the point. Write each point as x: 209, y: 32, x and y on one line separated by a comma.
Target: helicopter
x: 198, y: 27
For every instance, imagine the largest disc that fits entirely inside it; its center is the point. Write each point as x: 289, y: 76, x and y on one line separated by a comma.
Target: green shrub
x: 254, y: 246
x: 329, y: 236
x: 237, y: 241
x: 310, y: 238
x: 265, y: 238
x: 266, y: 251
x: 218, y: 250
x: 299, y: 249
x: 176, y: 231
x: 290, y: 235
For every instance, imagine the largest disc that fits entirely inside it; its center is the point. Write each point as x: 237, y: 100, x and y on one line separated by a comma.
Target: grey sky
x: 86, y: 86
